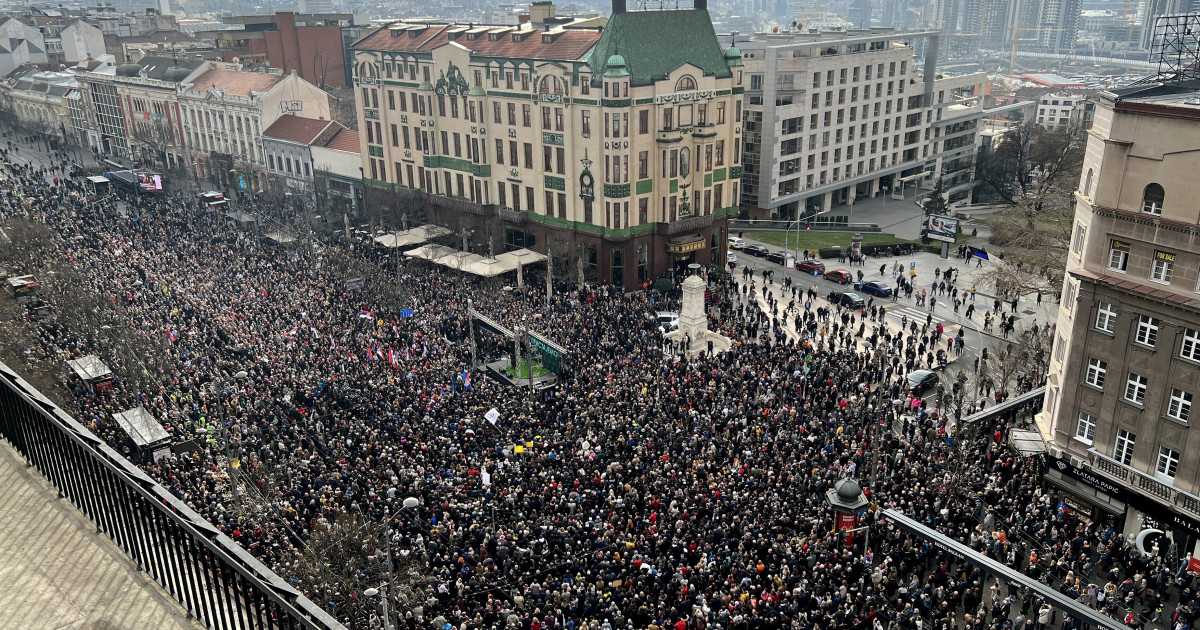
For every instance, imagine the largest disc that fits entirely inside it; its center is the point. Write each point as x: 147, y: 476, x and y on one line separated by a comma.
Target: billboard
x: 149, y: 181
x: 942, y: 228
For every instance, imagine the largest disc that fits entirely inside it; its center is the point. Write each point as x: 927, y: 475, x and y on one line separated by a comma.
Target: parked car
x: 922, y: 381
x: 874, y: 287
x: 730, y: 257
x: 756, y: 250
x: 809, y: 266
x: 736, y: 243
x: 840, y: 276
x: 849, y: 300
x: 776, y: 257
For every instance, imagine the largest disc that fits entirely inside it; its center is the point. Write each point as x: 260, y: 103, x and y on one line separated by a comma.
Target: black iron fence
x: 214, y: 579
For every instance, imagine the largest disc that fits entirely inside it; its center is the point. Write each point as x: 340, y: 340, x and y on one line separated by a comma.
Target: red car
x: 810, y: 266
x: 840, y: 276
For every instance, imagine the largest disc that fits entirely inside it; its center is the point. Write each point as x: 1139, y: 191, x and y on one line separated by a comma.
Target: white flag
x: 492, y: 415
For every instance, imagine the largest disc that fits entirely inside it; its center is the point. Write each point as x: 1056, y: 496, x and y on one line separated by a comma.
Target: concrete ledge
x: 58, y: 572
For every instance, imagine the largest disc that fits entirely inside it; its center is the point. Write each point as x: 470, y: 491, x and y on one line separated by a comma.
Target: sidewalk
x: 925, y: 264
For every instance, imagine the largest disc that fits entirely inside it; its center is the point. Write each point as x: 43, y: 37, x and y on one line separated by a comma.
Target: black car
x: 874, y: 287
x: 921, y: 382
x: 776, y: 257
x: 756, y: 250
x: 849, y: 300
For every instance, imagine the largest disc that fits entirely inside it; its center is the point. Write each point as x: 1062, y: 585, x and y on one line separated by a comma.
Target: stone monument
x: 693, y: 321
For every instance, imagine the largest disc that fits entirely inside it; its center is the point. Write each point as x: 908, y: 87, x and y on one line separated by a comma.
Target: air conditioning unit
x: 1077, y: 461
x: 1056, y: 452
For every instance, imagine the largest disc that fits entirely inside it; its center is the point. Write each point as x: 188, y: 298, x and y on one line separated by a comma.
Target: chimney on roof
x: 618, y: 6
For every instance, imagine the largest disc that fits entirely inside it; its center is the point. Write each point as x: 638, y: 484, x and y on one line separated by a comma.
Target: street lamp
x: 387, y: 617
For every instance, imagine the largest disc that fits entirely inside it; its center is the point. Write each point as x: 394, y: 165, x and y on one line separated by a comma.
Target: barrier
x: 213, y: 578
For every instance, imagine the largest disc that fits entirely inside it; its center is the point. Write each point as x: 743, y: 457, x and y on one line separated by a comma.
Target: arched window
x: 551, y: 85
x: 1152, y: 199
x: 685, y: 84
x: 1087, y: 184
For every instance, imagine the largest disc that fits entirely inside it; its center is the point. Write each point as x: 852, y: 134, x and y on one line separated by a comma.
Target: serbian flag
x: 171, y: 335
x: 391, y: 356
x: 466, y: 379
x: 365, y: 314
x: 370, y: 353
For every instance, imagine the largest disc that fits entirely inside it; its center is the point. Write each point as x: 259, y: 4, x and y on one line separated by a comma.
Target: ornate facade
x: 619, y: 145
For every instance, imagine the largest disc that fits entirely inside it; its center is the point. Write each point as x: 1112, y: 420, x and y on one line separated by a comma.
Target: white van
x: 736, y: 243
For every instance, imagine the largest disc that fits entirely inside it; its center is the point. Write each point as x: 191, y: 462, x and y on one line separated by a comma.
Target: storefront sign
x: 686, y: 247
x: 1120, y: 245
x: 1164, y: 256
x: 1088, y: 479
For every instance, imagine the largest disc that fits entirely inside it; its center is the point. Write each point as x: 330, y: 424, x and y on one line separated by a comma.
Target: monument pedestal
x: 693, y: 332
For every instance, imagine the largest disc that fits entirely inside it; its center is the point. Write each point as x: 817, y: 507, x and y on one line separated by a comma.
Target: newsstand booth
x: 93, y: 373
x: 147, y: 435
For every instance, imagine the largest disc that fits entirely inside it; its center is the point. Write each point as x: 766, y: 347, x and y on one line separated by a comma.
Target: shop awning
x: 416, y: 235
x: 430, y: 252
x: 141, y: 427
x: 1027, y: 443
x: 281, y: 237
x: 90, y: 368
x: 685, y: 244
x: 522, y: 257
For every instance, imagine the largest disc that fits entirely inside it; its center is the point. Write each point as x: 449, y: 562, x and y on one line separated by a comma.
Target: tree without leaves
x: 1033, y: 171
x: 1029, y: 162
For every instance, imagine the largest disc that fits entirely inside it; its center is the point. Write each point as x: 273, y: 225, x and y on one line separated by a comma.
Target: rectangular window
x: 1147, y: 330
x: 1095, y: 373
x: 1164, y: 264
x: 644, y: 121
x: 1135, y: 388
x: 1190, y: 348
x: 1168, y: 462
x: 1123, y: 450
x: 1106, y: 317
x: 1086, y: 429
x: 587, y: 123
x: 1181, y: 405
x: 1080, y: 237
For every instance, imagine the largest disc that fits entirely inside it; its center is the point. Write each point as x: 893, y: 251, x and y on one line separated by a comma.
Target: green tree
x: 935, y: 203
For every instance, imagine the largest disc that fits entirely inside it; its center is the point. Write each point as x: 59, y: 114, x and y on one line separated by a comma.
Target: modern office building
x: 1125, y: 366
x: 620, y: 142
x: 831, y: 117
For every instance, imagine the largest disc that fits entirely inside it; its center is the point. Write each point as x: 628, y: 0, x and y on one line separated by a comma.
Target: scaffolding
x: 1176, y: 48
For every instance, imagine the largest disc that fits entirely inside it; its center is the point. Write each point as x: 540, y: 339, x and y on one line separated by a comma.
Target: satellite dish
x: 411, y: 502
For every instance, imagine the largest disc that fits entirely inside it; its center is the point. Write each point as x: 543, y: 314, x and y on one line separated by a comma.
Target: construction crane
x: 1012, y: 61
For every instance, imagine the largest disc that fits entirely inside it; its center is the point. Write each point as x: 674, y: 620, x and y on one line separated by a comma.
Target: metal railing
x: 1132, y: 477
x: 214, y: 579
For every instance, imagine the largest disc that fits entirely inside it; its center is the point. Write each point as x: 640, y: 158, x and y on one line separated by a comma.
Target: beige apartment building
x: 621, y: 141
x: 1125, y: 368
x: 837, y: 116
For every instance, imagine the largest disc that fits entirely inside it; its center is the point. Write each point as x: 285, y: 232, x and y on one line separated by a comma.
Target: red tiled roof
x: 344, y: 140
x: 237, y: 83
x: 567, y: 45
x: 293, y: 128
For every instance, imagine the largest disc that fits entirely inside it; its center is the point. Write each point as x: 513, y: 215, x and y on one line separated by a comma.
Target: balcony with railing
x: 459, y: 205
x: 1138, y: 480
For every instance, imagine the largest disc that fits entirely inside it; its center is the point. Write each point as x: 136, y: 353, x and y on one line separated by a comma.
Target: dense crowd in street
x: 651, y: 491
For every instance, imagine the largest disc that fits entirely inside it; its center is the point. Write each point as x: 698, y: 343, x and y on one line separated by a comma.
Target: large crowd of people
x: 650, y: 490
